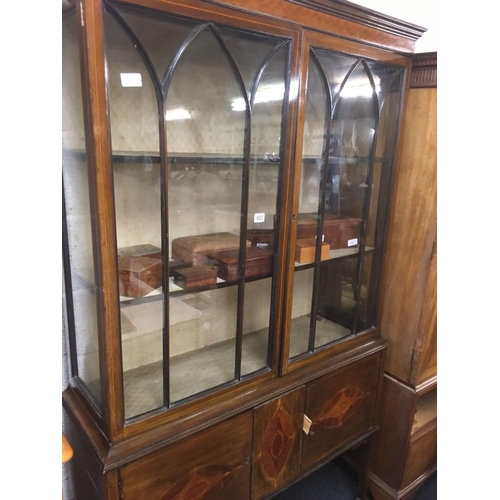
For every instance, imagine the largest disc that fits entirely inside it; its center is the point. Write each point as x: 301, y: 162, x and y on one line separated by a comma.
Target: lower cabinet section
x: 255, y: 454
x: 211, y: 464
x: 341, y: 406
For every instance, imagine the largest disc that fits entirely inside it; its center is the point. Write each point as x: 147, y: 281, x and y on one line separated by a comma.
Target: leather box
x: 305, y: 251
x: 194, y: 249
x: 338, y: 231
x: 192, y: 277
x: 138, y: 275
x: 259, y: 262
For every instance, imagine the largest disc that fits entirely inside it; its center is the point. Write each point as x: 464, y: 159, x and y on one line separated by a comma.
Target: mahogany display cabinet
x: 227, y: 178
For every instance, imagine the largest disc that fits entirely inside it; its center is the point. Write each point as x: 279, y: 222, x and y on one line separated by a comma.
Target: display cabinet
x: 227, y: 174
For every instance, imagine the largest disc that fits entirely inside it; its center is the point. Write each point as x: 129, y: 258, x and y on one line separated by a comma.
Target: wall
x: 422, y: 13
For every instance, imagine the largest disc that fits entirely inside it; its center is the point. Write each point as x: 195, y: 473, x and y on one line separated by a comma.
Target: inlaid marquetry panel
x: 213, y: 464
x: 277, y: 442
x: 341, y: 407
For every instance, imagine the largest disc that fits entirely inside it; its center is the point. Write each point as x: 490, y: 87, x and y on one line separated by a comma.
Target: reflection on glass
x: 82, y: 319
x: 137, y: 186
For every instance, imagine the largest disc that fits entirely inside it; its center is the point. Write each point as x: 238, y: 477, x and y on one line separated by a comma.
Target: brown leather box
x: 259, y: 262
x: 192, y: 277
x: 338, y: 231
x: 305, y: 251
x: 194, y: 249
x: 138, y: 275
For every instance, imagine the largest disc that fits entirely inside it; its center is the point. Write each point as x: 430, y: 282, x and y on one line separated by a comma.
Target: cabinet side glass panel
x: 79, y: 264
x: 133, y: 112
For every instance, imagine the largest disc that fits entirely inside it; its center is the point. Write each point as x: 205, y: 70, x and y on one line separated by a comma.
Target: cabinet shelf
x: 176, y: 291
x: 183, y: 158
x: 425, y: 414
x: 346, y: 160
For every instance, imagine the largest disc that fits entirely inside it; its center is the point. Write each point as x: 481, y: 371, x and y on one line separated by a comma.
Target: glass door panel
x: 342, y: 199
x: 197, y: 147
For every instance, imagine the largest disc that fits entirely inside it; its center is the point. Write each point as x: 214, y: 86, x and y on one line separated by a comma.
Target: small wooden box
x: 262, y: 238
x: 192, y: 277
x: 259, y: 261
x: 305, y: 251
x: 138, y: 275
x: 338, y: 231
x: 194, y: 249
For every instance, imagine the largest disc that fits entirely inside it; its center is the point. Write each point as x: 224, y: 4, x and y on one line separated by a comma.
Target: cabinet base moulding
x: 382, y: 491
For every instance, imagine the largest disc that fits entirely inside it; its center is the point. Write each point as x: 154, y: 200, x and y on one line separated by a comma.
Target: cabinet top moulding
x: 371, y: 27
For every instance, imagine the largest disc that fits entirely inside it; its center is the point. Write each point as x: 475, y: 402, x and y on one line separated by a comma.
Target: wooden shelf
x: 426, y: 414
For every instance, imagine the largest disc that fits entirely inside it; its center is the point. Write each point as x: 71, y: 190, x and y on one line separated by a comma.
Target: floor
x: 337, y: 481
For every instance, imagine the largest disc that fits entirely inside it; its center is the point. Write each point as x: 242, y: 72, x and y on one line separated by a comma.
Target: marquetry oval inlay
x: 341, y: 407
x: 277, y: 443
x: 203, y: 483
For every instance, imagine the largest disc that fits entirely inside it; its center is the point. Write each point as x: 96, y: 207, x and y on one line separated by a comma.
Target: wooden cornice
x: 362, y: 15
x: 424, y: 70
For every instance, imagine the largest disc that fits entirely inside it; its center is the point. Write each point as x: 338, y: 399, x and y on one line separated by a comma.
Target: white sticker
x: 257, y: 218
x: 306, y: 426
x: 131, y: 79
x: 351, y: 243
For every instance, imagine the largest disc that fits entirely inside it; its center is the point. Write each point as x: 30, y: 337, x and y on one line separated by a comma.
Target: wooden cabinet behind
x: 405, y: 451
x: 227, y: 172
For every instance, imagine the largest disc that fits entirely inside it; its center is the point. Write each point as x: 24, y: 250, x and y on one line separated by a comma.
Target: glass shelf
x: 176, y: 291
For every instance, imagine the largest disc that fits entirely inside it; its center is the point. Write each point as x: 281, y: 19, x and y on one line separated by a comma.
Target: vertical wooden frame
x: 103, y: 214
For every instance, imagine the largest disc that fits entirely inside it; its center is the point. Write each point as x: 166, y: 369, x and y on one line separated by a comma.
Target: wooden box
x: 194, y: 249
x: 263, y: 238
x: 192, y: 277
x: 138, y: 275
x: 305, y: 251
x: 259, y: 262
x: 338, y: 231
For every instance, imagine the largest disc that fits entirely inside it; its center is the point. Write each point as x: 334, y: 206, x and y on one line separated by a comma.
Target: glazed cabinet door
x: 348, y: 123
x: 277, y: 443
x: 196, y: 113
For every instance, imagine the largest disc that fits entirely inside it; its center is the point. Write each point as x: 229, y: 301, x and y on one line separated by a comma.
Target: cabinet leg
x: 364, y: 461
